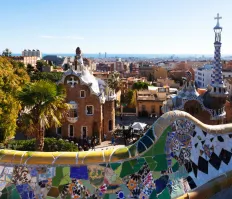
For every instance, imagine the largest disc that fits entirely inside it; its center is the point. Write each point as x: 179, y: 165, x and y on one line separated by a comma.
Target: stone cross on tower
x: 72, y: 82
x: 218, y: 18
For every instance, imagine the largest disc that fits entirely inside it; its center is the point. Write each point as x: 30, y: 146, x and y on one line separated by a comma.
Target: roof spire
x: 218, y: 18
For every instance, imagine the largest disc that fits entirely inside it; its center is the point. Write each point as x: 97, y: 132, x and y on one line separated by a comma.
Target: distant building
x: 26, y: 60
x: 105, y: 67
x: 227, y: 73
x: 101, y: 75
x: 203, y: 75
x: 159, y: 73
x: 228, y: 84
x: 32, y: 53
x: 149, y: 102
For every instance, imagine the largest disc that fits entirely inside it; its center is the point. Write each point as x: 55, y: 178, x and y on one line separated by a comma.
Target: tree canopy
x: 52, y: 76
x: 140, y: 86
x: 40, y: 64
x: 12, y: 77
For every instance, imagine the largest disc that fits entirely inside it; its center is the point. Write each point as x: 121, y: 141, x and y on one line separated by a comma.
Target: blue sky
x: 115, y: 26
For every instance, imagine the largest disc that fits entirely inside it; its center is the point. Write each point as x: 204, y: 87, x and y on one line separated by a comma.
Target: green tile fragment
x: 164, y: 194
x: 151, y: 163
x: 133, y: 162
x: 175, y: 167
x: 159, y: 146
x: 10, y: 192
x: 126, y: 169
x: 153, y: 195
x: 114, y: 166
x: 133, y: 150
x: 161, y: 162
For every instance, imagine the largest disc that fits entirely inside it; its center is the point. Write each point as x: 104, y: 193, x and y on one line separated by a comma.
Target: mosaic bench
x: 178, y: 157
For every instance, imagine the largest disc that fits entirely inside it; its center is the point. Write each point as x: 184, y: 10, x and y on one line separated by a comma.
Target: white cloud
x: 61, y: 37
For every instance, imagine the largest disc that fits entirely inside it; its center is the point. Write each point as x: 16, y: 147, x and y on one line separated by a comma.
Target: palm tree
x: 114, y: 80
x: 44, y: 107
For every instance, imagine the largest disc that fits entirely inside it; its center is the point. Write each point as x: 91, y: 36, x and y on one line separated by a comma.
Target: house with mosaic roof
x: 92, y: 109
x: 208, y: 106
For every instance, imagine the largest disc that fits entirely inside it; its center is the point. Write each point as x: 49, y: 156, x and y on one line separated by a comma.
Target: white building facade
x: 32, y: 53
x: 203, y: 75
x: 226, y: 73
x: 228, y: 84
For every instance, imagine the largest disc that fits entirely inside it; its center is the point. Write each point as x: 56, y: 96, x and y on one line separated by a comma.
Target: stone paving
x: 126, y: 121
x: 107, y: 145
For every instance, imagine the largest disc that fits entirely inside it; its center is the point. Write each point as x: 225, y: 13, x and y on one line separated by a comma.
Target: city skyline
x: 122, y: 27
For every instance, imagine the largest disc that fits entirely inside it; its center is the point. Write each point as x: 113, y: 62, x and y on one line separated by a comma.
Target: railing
x: 178, y: 156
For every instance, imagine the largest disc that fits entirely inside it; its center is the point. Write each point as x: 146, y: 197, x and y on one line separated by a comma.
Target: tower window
x: 83, y: 132
x: 89, y: 110
x: 70, y: 131
x: 73, y: 109
x: 110, y: 125
x: 82, y: 94
x: 58, y: 131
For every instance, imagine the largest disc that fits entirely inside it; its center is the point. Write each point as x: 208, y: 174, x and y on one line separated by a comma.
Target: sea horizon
x: 121, y: 55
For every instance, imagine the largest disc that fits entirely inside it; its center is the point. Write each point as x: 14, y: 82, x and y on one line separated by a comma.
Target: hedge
x: 50, y: 145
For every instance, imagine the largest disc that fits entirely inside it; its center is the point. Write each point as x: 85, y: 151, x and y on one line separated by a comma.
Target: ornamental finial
x: 217, y: 18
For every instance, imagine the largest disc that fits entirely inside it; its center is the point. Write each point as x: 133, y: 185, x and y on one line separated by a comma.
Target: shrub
x: 50, y: 145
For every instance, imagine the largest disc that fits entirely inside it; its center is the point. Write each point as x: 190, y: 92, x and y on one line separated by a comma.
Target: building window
x: 82, y: 94
x: 70, y: 130
x: 83, y: 132
x: 73, y: 109
x: 89, y: 110
x: 152, y: 109
x: 143, y: 108
x: 58, y: 131
x: 72, y: 113
x: 110, y: 125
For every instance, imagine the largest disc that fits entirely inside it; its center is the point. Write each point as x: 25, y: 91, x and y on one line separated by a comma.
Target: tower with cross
x: 215, y: 98
x: 217, y: 78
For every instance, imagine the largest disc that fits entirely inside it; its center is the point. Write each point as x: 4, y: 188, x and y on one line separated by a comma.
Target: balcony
x: 72, y: 119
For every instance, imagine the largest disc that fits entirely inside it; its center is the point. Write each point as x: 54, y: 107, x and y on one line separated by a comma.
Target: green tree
x: 6, y: 53
x: 44, y: 107
x: 140, y: 86
x: 114, y: 80
x: 52, y: 76
x: 40, y: 64
x: 12, y: 78
x: 129, y: 98
x: 30, y: 69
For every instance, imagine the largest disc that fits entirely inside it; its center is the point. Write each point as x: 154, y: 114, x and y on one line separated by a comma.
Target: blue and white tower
x: 215, y: 97
x: 218, y: 88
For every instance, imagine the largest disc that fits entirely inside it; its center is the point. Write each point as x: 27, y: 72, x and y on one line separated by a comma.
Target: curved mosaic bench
x: 178, y: 156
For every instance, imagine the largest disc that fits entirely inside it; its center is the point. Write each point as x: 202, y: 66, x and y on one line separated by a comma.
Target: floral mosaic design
x: 183, y: 158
